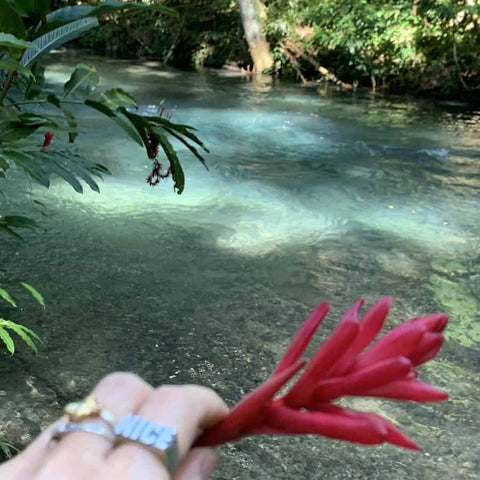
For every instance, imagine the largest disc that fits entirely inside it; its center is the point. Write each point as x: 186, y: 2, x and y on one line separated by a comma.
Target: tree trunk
x: 251, y: 11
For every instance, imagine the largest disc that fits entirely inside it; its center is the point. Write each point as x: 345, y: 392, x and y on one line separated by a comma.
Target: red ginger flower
x: 48, y: 137
x: 342, y: 366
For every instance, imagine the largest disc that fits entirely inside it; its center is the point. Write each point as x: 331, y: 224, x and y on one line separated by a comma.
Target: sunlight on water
x: 280, y: 176
x: 255, y: 220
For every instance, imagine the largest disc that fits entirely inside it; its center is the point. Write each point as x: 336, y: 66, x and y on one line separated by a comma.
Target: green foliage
x: 10, y: 41
x: 401, y: 44
x: 10, y: 222
x: 7, y: 450
x: 202, y: 34
x: 10, y: 20
x: 83, y: 81
x: 26, y: 334
x: 27, y: 32
x: 57, y: 37
x: 8, y: 326
x: 14, y: 66
x: 420, y: 44
x: 18, y: 125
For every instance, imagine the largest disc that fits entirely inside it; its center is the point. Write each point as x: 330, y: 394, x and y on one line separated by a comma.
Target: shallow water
x: 310, y: 195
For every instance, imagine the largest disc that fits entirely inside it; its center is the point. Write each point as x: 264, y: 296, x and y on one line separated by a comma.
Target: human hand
x: 81, y: 455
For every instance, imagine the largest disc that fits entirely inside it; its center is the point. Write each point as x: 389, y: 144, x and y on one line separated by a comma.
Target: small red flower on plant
x: 48, y: 137
x: 156, y: 174
x: 342, y: 366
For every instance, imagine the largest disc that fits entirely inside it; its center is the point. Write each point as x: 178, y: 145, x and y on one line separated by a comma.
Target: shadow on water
x: 209, y: 287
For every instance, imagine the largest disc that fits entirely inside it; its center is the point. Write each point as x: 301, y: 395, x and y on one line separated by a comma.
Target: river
x: 310, y: 195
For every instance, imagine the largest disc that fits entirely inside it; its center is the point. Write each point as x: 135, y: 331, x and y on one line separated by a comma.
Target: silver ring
x: 159, y: 438
x: 65, y: 428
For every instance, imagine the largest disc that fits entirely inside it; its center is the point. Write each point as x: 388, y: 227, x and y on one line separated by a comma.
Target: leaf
x: 7, y: 449
x: 8, y: 113
x: 57, y: 37
x: 72, y: 125
x: 180, y: 131
x: 35, y: 85
x: 6, y: 296
x: 83, y: 80
x: 10, y: 20
x: 11, y: 41
x: 35, y: 294
x: 119, y: 120
x: 65, y: 15
x: 81, y: 168
x: 71, y: 120
x: 14, y: 66
x: 11, y: 232
x: 54, y: 100
x: 42, y: 164
x: 140, y: 124
x: 117, y: 97
x: 27, y: 162
x: 185, y: 130
x: 4, y: 165
x: 25, y: 334
x: 62, y: 16
x: 7, y: 340
x: 51, y: 165
x: 188, y: 145
x: 31, y: 119
x: 18, y: 221
x: 13, y: 131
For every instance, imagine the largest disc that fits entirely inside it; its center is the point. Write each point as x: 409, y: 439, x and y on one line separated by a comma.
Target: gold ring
x: 87, y: 408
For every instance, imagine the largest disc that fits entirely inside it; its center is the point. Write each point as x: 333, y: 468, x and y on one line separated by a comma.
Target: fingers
x: 188, y: 409
x: 26, y: 464
x: 198, y: 464
x: 78, y: 456
x: 120, y: 393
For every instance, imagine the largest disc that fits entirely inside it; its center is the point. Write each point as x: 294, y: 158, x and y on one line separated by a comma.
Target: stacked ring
x: 160, y: 439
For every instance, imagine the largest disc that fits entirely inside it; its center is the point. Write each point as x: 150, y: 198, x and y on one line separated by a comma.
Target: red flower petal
x: 341, y: 427
x: 357, y: 383
x: 302, y: 338
x: 370, y: 326
x: 413, y: 390
x: 428, y: 348
x: 394, y: 435
x: 397, y: 437
x: 48, y: 137
x: 399, y: 342
x: 317, y: 369
x: 436, y: 322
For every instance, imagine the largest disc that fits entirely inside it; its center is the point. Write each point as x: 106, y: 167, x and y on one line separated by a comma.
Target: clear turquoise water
x: 310, y: 195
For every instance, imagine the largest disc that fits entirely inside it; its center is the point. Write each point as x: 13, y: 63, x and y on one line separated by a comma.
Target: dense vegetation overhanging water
x: 309, y: 196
